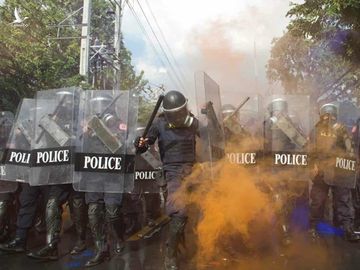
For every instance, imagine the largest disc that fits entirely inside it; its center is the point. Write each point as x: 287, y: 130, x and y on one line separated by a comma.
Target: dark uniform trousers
x: 174, y: 174
x: 107, y: 198
x: 29, y: 200
x: 342, y: 203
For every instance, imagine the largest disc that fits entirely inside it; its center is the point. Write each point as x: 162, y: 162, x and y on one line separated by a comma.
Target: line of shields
x: 70, y: 136
x: 85, y: 138
x: 274, y: 137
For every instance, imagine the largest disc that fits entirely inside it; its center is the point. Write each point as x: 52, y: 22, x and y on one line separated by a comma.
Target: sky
x: 230, y: 40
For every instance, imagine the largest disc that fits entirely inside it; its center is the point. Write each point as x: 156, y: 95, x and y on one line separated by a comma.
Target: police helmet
x: 329, y: 109
x: 278, y: 105
x: 99, y: 102
x: 174, y: 101
x: 227, y: 109
x: 175, y: 109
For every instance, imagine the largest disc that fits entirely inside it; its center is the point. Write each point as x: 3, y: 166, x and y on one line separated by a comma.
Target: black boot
x: 53, y: 227
x: 115, y: 219
x: 4, y: 230
x: 17, y: 245
x: 175, y: 237
x: 78, y: 214
x: 96, y: 221
x: 350, y: 235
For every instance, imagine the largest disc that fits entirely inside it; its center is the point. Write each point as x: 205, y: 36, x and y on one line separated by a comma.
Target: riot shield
x: 243, y: 132
x: 334, y: 148
x: 212, y: 142
x: 18, y: 153
x: 6, y: 124
x: 286, y: 131
x: 348, y: 114
x: 54, y: 136
x: 130, y: 151
x: 103, y: 140
x: 148, y: 175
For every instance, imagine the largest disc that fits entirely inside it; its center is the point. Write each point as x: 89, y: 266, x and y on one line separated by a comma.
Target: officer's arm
x: 142, y: 144
x: 153, y: 133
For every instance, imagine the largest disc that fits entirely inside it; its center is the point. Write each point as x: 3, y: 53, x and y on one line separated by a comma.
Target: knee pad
x: 113, y: 212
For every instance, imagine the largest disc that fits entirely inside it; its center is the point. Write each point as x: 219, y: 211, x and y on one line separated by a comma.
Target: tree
x: 309, y: 67
x: 317, y: 54
x: 32, y: 59
x: 337, y: 21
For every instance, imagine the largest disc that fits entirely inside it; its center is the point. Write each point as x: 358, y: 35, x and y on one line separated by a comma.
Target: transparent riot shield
x: 148, y: 175
x: 54, y: 136
x: 243, y: 131
x: 6, y: 123
x: 18, y: 155
x: 103, y: 140
x: 349, y: 113
x: 130, y: 152
x: 286, y: 132
x: 335, y: 147
x: 212, y: 142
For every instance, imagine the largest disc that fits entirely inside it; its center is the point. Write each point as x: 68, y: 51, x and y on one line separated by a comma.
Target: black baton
x: 152, y: 117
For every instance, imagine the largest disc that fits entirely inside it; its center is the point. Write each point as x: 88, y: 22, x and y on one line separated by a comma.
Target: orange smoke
x: 227, y: 206
x: 237, y: 218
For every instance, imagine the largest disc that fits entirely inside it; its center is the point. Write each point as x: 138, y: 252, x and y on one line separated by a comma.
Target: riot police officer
x: 6, y: 197
x: 58, y: 194
x: 29, y: 197
x: 175, y: 129
x: 277, y: 141
x: 331, y: 138
x: 356, y: 191
x: 105, y: 207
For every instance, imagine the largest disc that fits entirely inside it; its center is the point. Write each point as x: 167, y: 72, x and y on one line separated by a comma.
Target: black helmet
x: 173, y: 101
x: 278, y: 105
x: 175, y: 109
x: 329, y: 109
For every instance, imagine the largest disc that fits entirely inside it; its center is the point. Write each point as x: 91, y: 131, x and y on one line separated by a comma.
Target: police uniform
x: 276, y: 140
x: 331, y: 136
x: 175, y: 130
x: 104, y: 207
x: 59, y: 194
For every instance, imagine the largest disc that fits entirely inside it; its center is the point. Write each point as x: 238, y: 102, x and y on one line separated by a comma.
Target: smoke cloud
x: 238, y: 217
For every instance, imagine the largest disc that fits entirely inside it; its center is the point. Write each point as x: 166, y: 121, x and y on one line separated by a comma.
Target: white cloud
x: 186, y: 24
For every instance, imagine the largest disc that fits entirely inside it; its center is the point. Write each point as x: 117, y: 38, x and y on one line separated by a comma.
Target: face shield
x: 179, y: 117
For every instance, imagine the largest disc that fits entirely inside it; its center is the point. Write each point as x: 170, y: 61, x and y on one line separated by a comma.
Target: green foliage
x: 31, y: 59
x: 337, y: 21
x: 318, y: 55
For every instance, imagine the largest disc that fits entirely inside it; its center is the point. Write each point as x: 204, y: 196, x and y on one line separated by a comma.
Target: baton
x: 152, y: 117
x: 237, y: 109
x: 109, y: 106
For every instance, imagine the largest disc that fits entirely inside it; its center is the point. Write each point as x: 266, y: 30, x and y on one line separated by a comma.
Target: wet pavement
x: 331, y: 252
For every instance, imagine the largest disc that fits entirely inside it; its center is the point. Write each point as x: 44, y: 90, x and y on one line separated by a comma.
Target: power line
x: 165, y: 41
x: 143, y: 29
x: 161, y: 47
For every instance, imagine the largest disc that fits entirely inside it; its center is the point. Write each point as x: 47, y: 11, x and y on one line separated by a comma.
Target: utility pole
x: 85, y: 40
x: 117, y: 44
